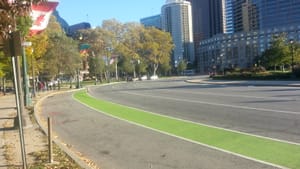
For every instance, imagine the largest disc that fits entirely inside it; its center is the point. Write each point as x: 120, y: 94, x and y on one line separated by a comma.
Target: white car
x: 144, y: 77
x: 154, y: 77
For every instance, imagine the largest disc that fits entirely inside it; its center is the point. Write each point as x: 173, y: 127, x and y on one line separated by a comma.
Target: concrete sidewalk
x: 247, y: 82
x: 10, y: 150
x: 7, y: 112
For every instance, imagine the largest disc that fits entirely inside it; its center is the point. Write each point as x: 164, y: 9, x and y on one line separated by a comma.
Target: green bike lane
x: 257, y: 148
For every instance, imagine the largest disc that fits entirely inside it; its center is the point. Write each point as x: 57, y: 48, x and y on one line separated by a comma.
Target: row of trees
x: 113, y: 48
x: 134, y: 49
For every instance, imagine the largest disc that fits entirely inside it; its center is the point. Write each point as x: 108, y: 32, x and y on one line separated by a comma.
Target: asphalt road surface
x: 115, y: 144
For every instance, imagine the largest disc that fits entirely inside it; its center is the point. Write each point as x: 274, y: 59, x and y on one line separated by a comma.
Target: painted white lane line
x: 232, y: 95
x: 213, y: 104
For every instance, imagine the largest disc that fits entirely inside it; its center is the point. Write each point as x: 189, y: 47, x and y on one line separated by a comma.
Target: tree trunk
x: 155, y: 67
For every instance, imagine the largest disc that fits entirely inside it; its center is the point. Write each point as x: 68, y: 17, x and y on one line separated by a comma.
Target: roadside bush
x: 258, y: 69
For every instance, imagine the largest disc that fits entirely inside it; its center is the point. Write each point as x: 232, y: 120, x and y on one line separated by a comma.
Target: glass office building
x: 250, y: 26
x: 251, y: 15
x: 239, y: 49
x: 176, y: 18
x: 152, y: 21
x: 277, y: 13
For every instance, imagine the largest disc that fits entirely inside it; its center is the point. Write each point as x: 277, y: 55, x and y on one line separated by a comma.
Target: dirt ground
x: 35, y: 141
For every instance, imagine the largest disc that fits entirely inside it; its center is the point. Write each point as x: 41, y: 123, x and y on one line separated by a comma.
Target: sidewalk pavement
x: 247, y: 82
x: 7, y: 109
x: 9, y: 134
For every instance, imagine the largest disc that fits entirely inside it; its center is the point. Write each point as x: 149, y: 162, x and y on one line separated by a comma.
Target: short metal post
x: 50, y: 140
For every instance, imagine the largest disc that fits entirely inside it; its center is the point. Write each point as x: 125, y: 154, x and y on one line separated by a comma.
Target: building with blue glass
x: 152, y: 21
x: 250, y: 26
x: 176, y: 18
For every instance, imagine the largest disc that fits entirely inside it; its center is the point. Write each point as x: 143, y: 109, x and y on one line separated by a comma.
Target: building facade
x: 152, y: 21
x: 240, y: 49
x: 176, y: 18
x: 208, y: 20
x: 252, y: 15
x: 250, y: 26
x: 277, y: 13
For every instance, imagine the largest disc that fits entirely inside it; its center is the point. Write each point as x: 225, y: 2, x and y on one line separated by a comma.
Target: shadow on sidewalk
x: 7, y: 108
x: 10, y: 166
x: 7, y: 129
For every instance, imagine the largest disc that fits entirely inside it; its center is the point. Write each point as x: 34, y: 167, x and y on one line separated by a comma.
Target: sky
x: 95, y: 11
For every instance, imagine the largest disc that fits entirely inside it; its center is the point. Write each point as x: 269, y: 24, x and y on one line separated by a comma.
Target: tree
x: 5, y: 70
x: 96, y: 67
x: 182, y: 65
x: 36, y: 51
x: 157, y: 47
x: 138, y: 49
x: 62, y: 56
x: 278, y: 53
x: 129, y: 48
x: 13, y: 12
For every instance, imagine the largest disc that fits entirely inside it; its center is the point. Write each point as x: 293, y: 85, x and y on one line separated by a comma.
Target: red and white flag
x: 40, y: 15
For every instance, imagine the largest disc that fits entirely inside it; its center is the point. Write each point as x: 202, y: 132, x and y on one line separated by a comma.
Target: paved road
x: 111, y: 143
x: 266, y: 111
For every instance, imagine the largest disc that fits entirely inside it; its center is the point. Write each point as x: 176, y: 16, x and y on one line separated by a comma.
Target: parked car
x: 143, y: 77
x: 154, y: 77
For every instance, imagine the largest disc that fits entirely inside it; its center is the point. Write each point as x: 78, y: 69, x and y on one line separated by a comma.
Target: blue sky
x: 95, y: 11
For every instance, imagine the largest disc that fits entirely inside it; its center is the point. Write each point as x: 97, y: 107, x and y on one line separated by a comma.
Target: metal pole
x: 117, y: 68
x: 50, y: 146
x: 19, y: 111
x: 33, y: 78
x: 292, y: 59
x: 25, y: 79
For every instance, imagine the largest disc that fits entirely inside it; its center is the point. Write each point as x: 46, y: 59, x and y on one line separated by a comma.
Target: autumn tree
x: 36, y: 51
x: 157, y: 47
x: 136, y: 49
x: 62, y: 55
x: 15, y: 15
x: 131, y: 60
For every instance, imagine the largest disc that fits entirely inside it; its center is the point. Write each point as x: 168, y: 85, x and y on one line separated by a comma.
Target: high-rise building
x: 278, y: 13
x: 177, y: 19
x: 208, y: 18
x: 251, y: 15
x: 152, y: 21
x: 250, y: 26
x: 228, y: 16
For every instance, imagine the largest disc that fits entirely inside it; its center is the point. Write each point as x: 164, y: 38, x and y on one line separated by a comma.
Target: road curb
x: 60, y: 144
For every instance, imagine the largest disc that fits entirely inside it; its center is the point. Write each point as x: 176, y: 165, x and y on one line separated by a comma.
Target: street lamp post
x: 292, y: 53
x: 77, y: 79
x: 33, y: 77
x: 25, y: 76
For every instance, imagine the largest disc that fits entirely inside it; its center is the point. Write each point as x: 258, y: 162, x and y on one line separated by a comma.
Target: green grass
x: 279, y: 153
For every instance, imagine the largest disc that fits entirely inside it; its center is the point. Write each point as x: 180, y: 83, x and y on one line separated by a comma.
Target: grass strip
x: 276, y: 152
